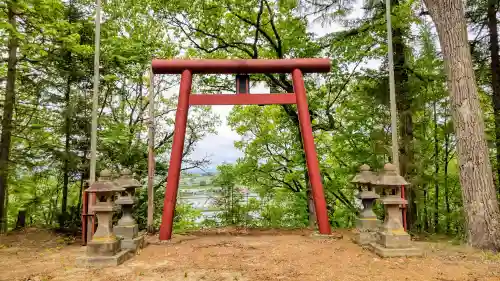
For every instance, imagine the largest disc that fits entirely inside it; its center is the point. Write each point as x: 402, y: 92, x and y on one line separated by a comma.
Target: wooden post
x: 310, y: 151
x: 174, y: 169
x: 151, y: 154
x: 95, y: 104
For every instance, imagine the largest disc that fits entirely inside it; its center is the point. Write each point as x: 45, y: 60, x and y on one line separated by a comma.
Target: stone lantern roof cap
x: 390, y: 177
x: 365, y: 176
x: 127, y: 181
x: 104, y: 184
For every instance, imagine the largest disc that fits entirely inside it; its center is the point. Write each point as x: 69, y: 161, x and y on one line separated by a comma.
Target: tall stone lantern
x: 367, y: 222
x: 127, y: 227
x: 104, y: 248
x: 393, y: 240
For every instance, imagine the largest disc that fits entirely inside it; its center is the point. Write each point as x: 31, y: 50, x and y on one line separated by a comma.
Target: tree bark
x: 21, y: 219
x: 67, y: 126
x: 495, y: 74
x: 426, y: 213
x: 80, y: 195
x: 436, y: 170
x: 446, y: 188
x: 404, y: 101
x: 67, y: 134
x: 310, y: 202
x: 10, y: 97
x: 478, y: 190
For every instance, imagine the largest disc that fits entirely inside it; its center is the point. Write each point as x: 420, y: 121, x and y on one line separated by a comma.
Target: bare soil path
x: 255, y: 255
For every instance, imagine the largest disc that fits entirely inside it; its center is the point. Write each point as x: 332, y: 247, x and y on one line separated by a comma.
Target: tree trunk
x: 67, y: 134
x: 426, y: 214
x: 436, y: 171
x: 478, y: 190
x: 21, y: 219
x: 80, y: 195
x: 231, y: 205
x: 446, y: 188
x: 495, y: 75
x: 404, y: 102
x: 310, y: 203
x: 10, y: 97
x: 67, y: 126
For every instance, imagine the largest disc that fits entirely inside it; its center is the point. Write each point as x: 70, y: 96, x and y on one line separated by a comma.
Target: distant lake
x: 205, y: 200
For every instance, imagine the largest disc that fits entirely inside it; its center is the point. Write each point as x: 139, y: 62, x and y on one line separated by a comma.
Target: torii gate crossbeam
x: 189, y: 67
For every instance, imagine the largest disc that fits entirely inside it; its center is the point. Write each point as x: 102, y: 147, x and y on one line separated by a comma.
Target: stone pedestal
x: 364, y: 238
x: 367, y: 219
x: 392, y: 240
x: 389, y: 245
x: 103, y: 254
x: 367, y: 222
x: 130, y: 237
x: 127, y: 228
x: 135, y: 244
x: 104, y: 248
x: 126, y: 231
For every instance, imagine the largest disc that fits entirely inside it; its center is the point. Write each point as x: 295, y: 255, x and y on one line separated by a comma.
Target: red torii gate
x: 189, y: 67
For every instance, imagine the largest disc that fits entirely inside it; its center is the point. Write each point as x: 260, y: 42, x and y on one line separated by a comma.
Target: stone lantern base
x: 134, y: 245
x: 126, y: 231
x: 390, y: 253
x: 103, y: 254
x: 365, y: 237
x: 394, y: 244
x: 103, y: 248
x: 367, y: 223
x: 131, y: 239
x: 366, y: 230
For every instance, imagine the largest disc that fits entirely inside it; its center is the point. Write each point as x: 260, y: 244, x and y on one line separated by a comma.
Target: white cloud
x: 219, y: 148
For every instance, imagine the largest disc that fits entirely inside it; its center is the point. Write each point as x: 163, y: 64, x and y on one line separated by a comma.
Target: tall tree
x: 70, y: 73
x: 483, y: 22
x: 8, y: 109
x: 492, y: 19
x: 478, y: 190
x: 404, y: 97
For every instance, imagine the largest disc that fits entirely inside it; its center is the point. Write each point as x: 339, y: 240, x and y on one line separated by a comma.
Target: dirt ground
x: 242, y: 255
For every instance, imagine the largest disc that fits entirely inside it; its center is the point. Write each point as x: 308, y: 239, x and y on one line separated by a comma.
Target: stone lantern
x: 393, y: 240
x: 104, y: 248
x: 127, y: 227
x: 367, y: 222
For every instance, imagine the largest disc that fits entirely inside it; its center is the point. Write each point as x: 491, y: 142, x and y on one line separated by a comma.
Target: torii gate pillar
x: 189, y: 67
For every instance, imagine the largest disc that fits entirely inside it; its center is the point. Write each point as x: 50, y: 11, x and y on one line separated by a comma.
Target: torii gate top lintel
x: 220, y: 66
x: 227, y: 66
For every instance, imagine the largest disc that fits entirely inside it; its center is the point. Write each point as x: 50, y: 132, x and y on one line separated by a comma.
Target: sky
x: 220, y: 147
